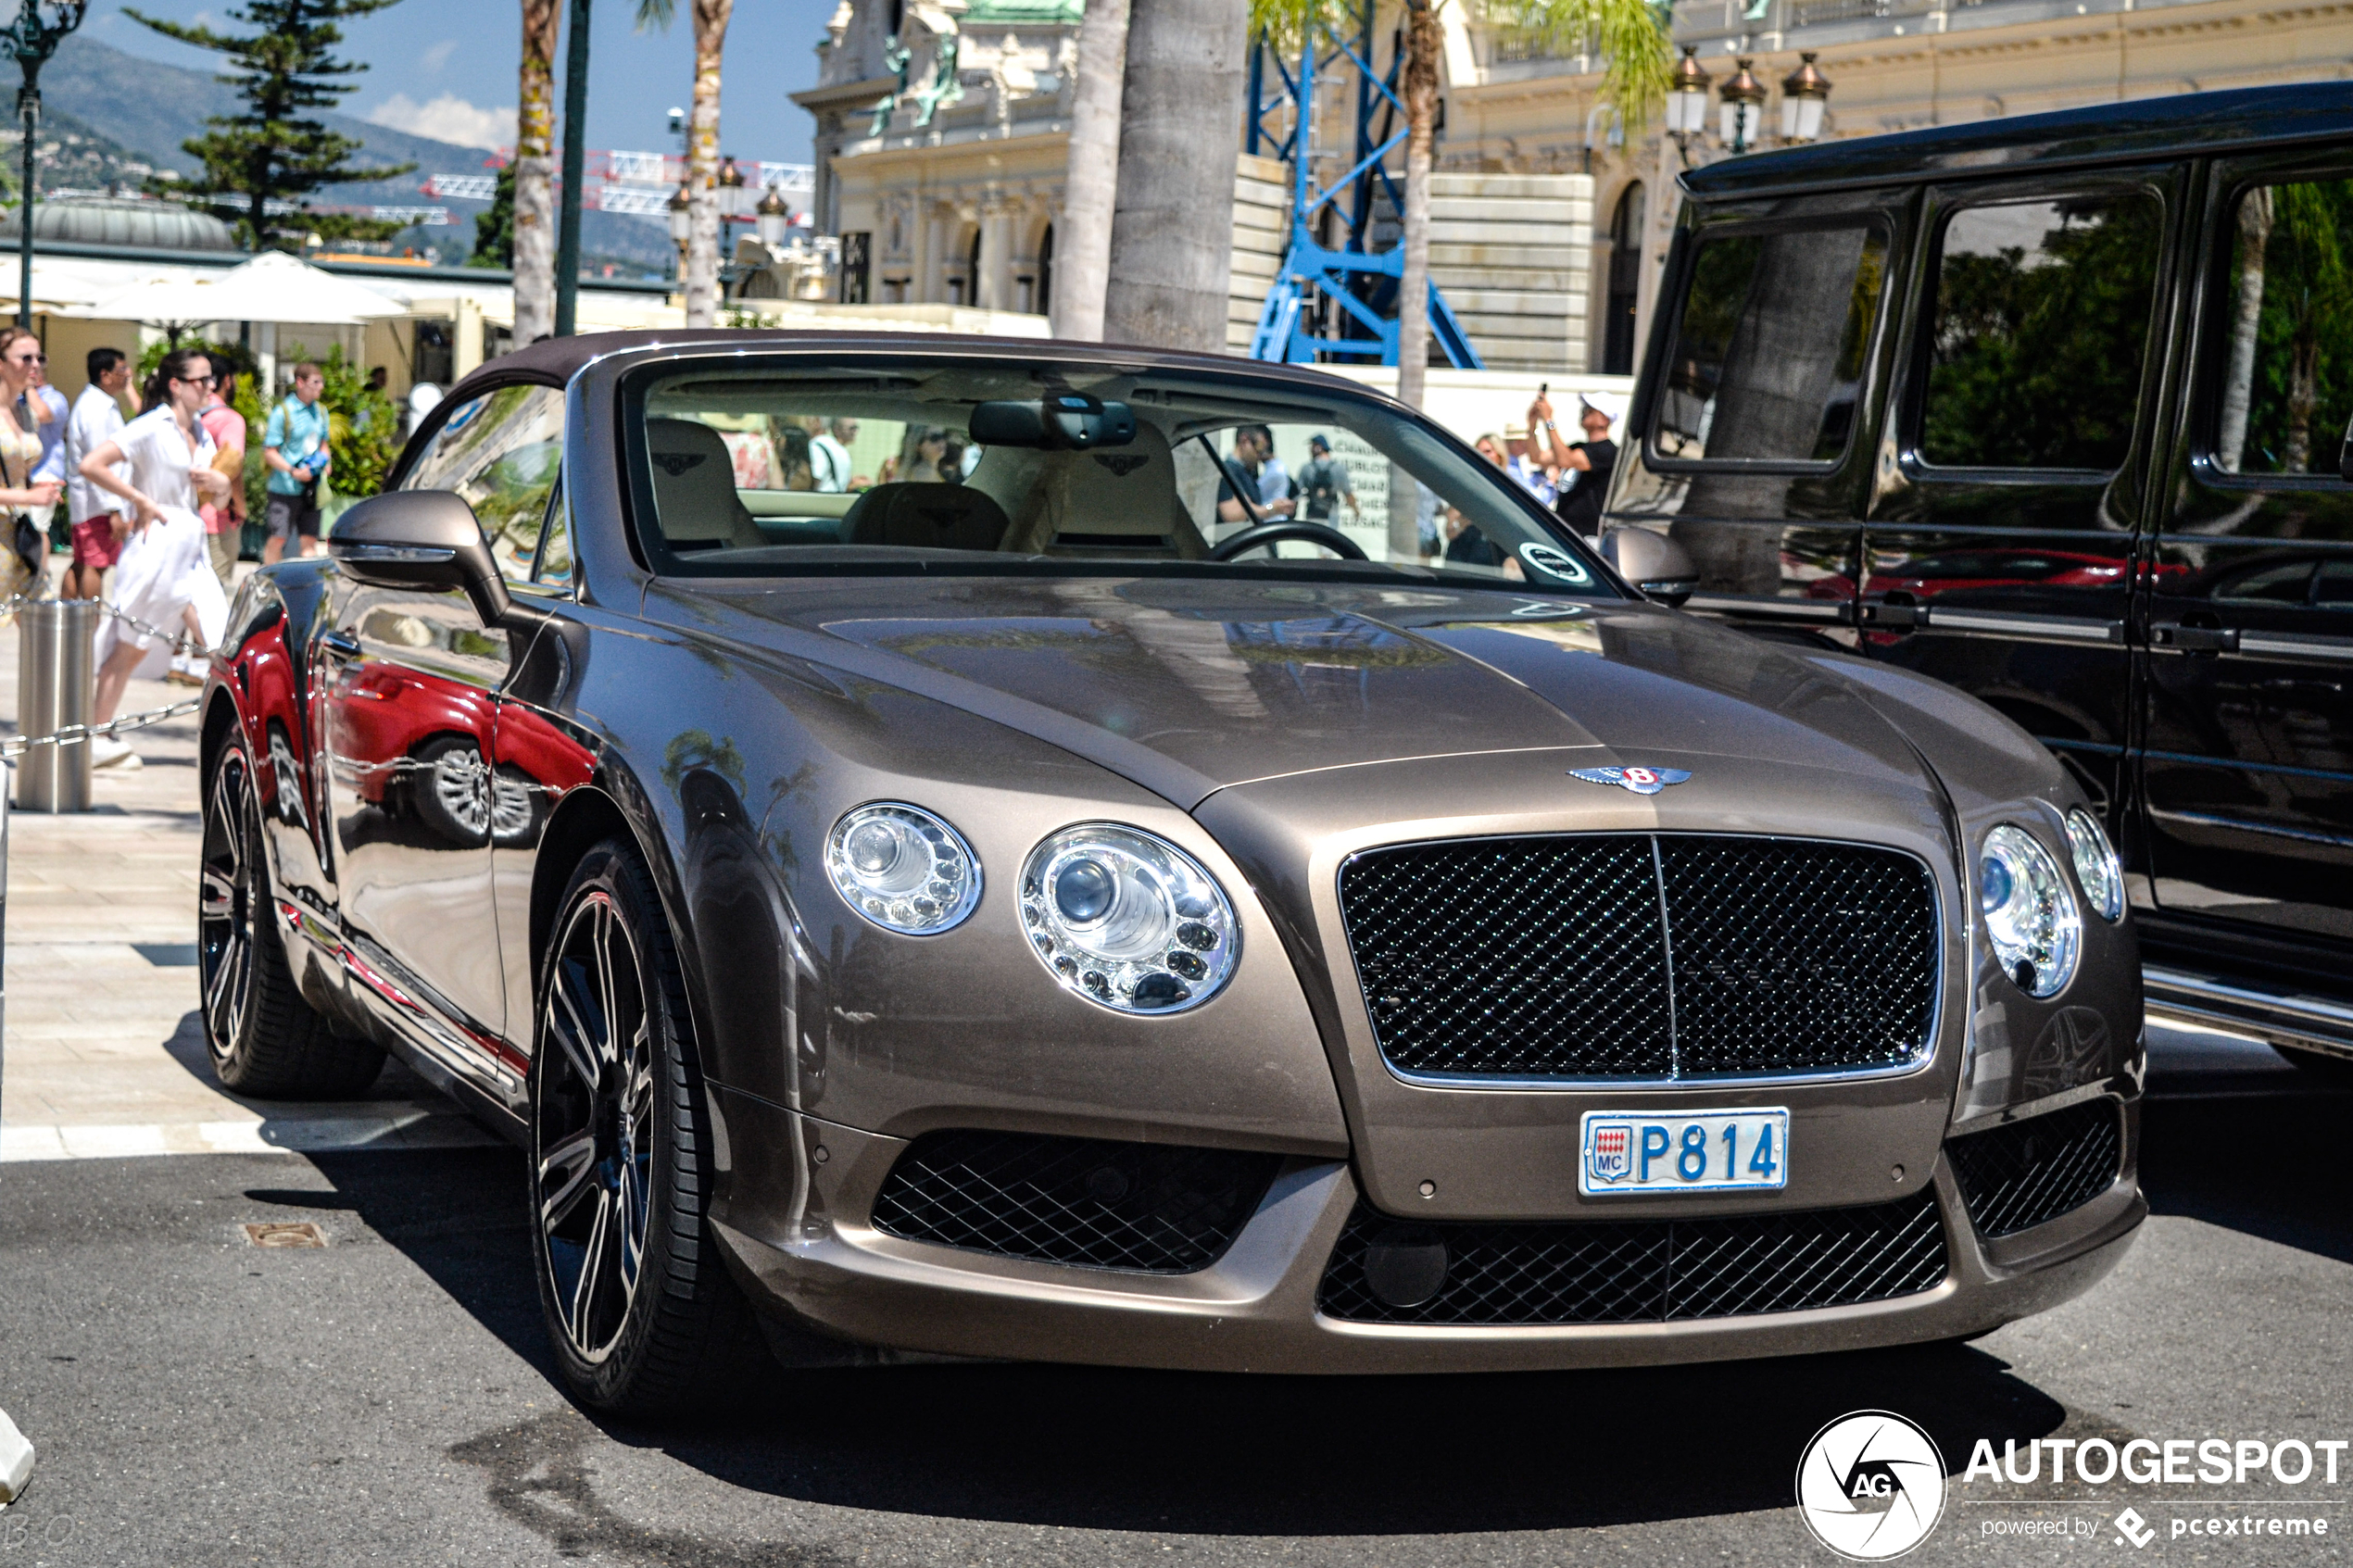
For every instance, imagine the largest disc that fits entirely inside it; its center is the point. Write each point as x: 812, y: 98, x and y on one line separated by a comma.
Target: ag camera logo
x: 1870, y: 1485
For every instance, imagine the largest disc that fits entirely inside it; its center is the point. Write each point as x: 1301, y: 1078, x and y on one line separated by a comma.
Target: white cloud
x: 438, y: 55
x: 446, y: 118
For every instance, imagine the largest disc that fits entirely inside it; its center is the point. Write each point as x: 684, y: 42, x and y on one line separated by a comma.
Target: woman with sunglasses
x: 164, y: 578
x: 25, y: 502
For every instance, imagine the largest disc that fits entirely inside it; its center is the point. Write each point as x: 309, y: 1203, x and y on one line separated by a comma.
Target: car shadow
x: 397, y: 1082
x: 2195, y: 1163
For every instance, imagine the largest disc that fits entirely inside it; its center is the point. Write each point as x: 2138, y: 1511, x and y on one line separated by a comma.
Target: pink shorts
x: 95, y: 544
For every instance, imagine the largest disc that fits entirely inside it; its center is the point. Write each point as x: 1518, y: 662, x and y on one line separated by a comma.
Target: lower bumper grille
x: 1649, y: 1271
x: 1092, y: 1202
x: 2017, y: 1176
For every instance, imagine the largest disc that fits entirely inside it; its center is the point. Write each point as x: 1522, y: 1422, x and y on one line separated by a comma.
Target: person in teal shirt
x: 294, y: 447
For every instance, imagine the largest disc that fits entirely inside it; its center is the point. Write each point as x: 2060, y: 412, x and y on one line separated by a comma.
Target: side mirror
x: 427, y: 540
x: 1653, y: 563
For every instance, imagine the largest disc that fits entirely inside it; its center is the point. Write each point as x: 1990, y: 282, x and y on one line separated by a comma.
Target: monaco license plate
x: 1683, y: 1152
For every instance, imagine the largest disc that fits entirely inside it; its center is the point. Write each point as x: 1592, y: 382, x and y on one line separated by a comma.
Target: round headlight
x: 2096, y: 870
x: 1127, y: 921
x: 2030, y: 915
x: 903, y: 868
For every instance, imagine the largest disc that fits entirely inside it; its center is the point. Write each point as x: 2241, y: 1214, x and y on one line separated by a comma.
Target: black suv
x: 2055, y: 409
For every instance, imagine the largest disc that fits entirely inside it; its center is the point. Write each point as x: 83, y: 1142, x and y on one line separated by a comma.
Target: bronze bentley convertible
x: 961, y: 860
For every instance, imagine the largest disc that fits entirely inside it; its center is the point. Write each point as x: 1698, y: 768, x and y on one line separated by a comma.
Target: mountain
x: 150, y: 108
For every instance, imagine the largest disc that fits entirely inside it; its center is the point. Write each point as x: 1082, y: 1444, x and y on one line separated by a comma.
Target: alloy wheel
x: 592, y: 1144
x: 226, y: 906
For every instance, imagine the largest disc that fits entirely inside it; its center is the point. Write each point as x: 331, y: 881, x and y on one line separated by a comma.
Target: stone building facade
x: 941, y: 134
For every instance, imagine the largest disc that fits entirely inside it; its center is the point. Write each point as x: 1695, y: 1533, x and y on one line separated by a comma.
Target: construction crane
x: 1337, y: 301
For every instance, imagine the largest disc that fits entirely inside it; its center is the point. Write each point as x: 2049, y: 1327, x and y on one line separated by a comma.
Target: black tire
x: 620, y: 1164
x: 449, y: 790
x: 264, y: 1039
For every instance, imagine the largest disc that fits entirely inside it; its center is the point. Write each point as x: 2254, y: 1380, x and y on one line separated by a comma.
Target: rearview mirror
x: 427, y: 540
x: 1060, y: 421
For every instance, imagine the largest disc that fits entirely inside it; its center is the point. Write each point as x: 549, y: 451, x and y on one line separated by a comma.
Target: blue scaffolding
x: 1338, y: 303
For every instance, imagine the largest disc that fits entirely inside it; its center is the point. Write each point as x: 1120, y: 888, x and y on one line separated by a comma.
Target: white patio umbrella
x: 271, y: 287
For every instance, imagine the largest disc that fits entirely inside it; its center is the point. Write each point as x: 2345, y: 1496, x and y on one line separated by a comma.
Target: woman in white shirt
x: 162, y: 578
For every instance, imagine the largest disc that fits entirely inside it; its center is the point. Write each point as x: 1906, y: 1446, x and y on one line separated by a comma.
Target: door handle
x: 342, y: 645
x: 2194, y: 639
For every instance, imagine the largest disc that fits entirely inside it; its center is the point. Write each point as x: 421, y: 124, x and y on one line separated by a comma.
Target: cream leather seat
x: 1122, y: 499
x: 695, y: 489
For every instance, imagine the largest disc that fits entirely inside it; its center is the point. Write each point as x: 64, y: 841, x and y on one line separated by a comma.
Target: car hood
x: 1188, y: 686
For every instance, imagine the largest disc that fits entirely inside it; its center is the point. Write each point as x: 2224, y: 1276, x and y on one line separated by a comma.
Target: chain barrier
x: 182, y: 642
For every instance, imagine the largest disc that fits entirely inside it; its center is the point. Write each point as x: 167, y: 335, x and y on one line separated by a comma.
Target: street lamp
x: 773, y: 218
x: 1687, y: 99
x: 1806, y: 94
x: 731, y: 193
x: 32, y: 41
x: 1743, y: 108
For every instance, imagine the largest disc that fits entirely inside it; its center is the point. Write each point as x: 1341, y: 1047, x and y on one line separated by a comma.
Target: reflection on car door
x: 1999, y: 554
x: 2248, y: 766
x: 406, y: 681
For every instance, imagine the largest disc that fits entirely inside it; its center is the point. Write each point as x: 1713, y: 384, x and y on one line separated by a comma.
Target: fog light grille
x: 2019, y: 1175
x: 1093, y: 1202
x: 1645, y: 1271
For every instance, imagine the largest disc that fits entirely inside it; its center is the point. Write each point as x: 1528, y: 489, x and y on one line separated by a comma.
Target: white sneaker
x: 106, y: 751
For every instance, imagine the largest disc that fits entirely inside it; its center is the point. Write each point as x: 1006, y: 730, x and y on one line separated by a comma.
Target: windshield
x: 971, y: 465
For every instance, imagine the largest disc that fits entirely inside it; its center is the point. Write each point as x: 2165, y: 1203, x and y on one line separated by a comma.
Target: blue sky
x: 447, y: 68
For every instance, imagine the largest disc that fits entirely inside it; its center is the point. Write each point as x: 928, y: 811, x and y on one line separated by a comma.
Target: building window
x: 1045, y: 301
x: 1624, y: 282
x: 972, y: 270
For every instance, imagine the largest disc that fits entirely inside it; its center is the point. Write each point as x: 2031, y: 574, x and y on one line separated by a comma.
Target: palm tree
x: 534, y: 211
x: 1082, y: 230
x: 1180, y: 115
x: 1637, y: 57
x: 701, y: 270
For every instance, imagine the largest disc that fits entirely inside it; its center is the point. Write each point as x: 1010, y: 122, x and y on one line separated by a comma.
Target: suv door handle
x: 342, y: 645
x: 2194, y: 639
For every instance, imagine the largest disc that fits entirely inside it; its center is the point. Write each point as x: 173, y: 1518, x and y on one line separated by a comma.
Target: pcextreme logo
x: 1870, y: 1485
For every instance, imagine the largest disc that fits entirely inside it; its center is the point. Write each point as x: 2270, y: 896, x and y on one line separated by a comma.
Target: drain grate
x: 285, y: 1233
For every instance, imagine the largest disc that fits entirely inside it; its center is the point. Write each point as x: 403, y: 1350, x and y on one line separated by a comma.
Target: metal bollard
x: 56, y: 684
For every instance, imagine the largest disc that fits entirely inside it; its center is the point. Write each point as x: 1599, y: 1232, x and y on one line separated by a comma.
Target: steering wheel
x: 1289, y: 528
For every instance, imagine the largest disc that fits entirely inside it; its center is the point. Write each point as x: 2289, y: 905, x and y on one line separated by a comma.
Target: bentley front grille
x: 2017, y: 1175
x: 1634, y: 1271
x: 1094, y: 1202
x: 1642, y: 956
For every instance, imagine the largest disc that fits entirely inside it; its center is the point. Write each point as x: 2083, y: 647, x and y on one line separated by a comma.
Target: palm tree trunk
x: 2303, y: 396
x: 1082, y: 232
x: 535, y: 230
x: 1418, y: 82
x: 1171, y: 228
x: 2255, y: 235
x: 702, y: 164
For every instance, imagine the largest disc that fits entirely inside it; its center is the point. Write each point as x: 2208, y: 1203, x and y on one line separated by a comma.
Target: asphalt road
x: 387, y: 1400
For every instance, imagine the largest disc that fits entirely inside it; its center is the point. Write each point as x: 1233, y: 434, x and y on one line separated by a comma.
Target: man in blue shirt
x: 295, y: 447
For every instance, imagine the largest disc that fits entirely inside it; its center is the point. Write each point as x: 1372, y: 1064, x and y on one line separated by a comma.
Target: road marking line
x: 405, y: 1127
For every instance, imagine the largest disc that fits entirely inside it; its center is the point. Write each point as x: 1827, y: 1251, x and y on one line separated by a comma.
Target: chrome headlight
x: 1126, y: 920
x: 2098, y: 872
x: 903, y: 868
x: 2030, y: 915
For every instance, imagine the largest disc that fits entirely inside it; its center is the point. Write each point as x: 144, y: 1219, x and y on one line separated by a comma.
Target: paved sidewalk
x: 105, y: 1053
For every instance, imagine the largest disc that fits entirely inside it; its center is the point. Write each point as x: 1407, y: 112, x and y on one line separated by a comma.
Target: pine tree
x: 494, y: 228
x: 273, y: 151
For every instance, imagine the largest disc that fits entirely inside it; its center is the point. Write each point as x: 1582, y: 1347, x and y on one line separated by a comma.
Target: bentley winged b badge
x: 1642, y: 781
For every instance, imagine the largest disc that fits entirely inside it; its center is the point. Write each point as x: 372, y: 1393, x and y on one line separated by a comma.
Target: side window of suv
x: 2288, y: 382
x: 1753, y: 375
x: 501, y: 451
x: 2042, y: 322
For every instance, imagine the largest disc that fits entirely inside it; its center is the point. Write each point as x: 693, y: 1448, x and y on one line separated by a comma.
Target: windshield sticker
x: 1552, y: 561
